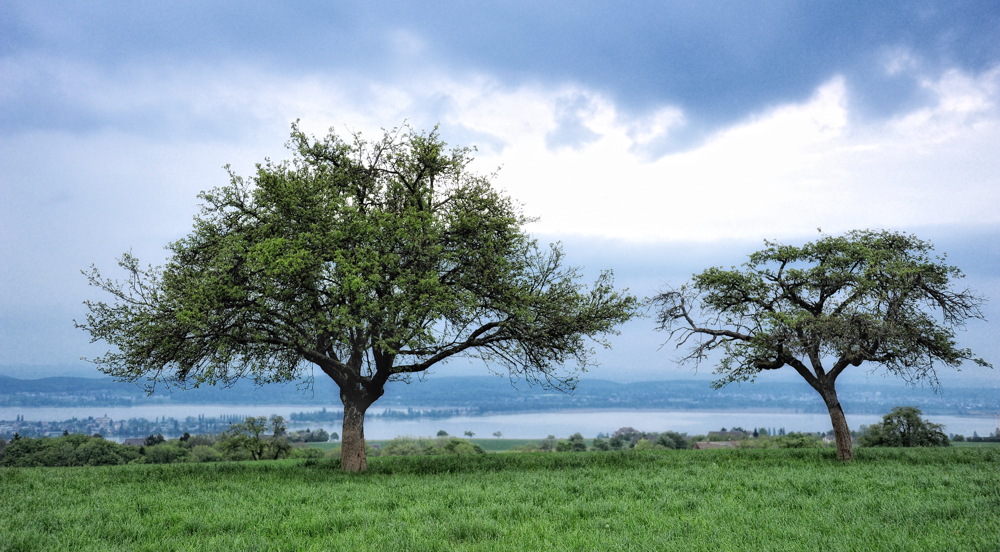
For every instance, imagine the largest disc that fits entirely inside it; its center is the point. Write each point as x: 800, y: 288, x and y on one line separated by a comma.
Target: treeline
x: 255, y: 438
x: 132, y: 427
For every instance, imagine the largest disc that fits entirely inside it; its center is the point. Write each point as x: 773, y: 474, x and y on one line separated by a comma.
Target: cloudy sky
x: 654, y: 138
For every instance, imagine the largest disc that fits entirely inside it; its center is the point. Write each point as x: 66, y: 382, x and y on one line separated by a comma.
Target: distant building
x: 138, y: 442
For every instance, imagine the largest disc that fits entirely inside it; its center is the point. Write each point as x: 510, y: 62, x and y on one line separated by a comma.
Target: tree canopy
x: 867, y: 296
x: 372, y: 261
x: 903, y: 427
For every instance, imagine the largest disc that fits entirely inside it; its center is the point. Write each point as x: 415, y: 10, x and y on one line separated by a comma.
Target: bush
x: 643, y: 444
x: 406, y: 446
x: 98, y: 452
x: 412, y: 446
x: 204, y: 453
x: 455, y: 445
x: 167, y: 454
x: 69, y: 450
x: 671, y: 440
x: 792, y: 440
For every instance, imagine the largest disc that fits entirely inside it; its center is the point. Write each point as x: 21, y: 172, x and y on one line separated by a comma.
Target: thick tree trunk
x: 842, y: 434
x: 352, y: 447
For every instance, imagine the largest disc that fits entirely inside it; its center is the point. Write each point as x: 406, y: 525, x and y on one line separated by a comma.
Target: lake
x: 532, y: 425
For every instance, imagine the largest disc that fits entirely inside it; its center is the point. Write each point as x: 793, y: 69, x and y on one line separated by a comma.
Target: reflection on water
x: 525, y: 425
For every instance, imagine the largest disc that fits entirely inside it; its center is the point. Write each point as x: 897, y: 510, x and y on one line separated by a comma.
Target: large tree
x: 868, y: 296
x: 372, y: 261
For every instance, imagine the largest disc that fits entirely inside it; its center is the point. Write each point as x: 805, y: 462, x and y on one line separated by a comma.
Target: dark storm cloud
x: 717, y: 61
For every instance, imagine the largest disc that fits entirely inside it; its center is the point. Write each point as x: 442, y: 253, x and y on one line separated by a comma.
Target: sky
x: 653, y: 138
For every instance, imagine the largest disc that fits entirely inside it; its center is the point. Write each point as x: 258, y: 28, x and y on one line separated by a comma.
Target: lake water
x: 532, y: 425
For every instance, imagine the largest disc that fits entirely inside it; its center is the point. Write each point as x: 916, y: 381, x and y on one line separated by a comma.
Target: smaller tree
x: 873, y: 297
x: 319, y: 436
x: 470, y: 434
x: 153, y: 440
x: 672, y: 440
x: 442, y: 433
x: 249, y: 435
x: 903, y: 427
x: 498, y: 434
x: 577, y: 443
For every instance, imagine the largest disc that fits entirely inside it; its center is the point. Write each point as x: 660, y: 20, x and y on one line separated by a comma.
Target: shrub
x: 68, y: 450
x: 406, y: 446
x: 166, y: 454
x: 204, y: 453
x: 455, y: 445
x: 671, y: 440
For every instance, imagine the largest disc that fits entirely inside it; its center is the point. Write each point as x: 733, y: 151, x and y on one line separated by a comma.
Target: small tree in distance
x: 867, y: 296
x: 903, y: 427
x: 250, y: 436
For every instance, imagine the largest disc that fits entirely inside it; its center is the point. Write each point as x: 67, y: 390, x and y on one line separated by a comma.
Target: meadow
x: 792, y: 499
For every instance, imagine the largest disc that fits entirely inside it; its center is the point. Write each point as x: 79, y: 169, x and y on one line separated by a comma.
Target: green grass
x: 928, y: 499
x: 489, y: 445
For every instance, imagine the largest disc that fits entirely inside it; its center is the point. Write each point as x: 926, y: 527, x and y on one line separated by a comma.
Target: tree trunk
x: 352, y: 447
x: 842, y: 434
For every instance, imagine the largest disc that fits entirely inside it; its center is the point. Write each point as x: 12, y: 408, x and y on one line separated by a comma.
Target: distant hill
x: 492, y: 394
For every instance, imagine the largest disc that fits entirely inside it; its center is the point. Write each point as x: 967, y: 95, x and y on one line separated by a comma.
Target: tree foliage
x: 372, y: 261
x: 867, y: 296
x: 251, y: 436
x: 903, y: 427
x: 68, y: 450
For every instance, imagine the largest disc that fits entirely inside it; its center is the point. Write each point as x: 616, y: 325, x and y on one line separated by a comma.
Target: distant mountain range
x: 484, y: 394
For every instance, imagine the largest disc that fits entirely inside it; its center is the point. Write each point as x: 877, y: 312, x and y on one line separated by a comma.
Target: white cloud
x: 779, y: 173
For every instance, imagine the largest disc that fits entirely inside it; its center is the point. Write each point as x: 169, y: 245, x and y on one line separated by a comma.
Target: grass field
x: 489, y: 445
x: 900, y: 499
